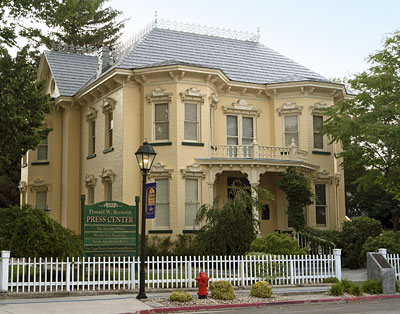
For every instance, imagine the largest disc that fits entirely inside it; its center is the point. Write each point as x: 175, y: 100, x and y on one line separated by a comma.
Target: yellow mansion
x: 217, y: 106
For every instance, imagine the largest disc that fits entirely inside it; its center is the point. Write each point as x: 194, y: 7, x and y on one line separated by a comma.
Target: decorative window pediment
x: 91, y: 114
x: 159, y: 95
x: 192, y: 94
x: 289, y: 108
x: 242, y: 107
x: 108, y: 104
x: 90, y: 180
x: 319, y: 108
x: 107, y: 176
x: 324, y: 177
x: 160, y: 171
x: 39, y: 185
x: 193, y: 171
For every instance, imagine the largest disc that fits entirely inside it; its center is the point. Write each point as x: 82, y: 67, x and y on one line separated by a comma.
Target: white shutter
x: 162, y: 204
x: 191, y: 201
x: 318, y: 136
x: 191, y: 122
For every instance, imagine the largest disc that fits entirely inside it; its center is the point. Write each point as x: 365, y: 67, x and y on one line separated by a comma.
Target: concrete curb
x: 261, y: 304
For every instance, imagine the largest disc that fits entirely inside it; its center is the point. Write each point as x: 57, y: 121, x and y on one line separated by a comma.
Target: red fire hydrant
x: 202, y: 283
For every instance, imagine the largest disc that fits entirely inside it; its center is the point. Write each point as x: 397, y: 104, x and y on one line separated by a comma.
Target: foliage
x: 231, y: 229
x: 261, y: 289
x: 9, y: 180
x: 297, y: 188
x: 30, y: 232
x: 372, y: 286
x: 330, y: 280
x: 367, y: 125
x: 222, y: 290
x: 389, y: 240
x: 183, y: 245
x: 397, y: 286
x: 353, y: 236
x: 337, y: 289
x: 180, y: 296
x: 277, y: 244
x: 355, y: 289
x: 22, y: 106
x: 158, y: 246
x: 266, y: 269
x: 318, y: 239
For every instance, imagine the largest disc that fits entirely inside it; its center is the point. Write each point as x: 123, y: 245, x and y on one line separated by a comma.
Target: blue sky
x: 332, y: 38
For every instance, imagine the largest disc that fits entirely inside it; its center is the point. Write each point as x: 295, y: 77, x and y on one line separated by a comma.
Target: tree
x: 297, y: 188
x: 231, y: 229
x: 368, y: 127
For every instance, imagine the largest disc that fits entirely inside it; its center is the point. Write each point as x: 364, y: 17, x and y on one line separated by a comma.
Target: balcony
x: 256, y: 151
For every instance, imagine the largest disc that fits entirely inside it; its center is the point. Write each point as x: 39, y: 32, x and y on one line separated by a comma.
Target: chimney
x: 103, y: 57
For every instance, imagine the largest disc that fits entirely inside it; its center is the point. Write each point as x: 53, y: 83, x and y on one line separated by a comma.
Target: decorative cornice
x: 319, y: 108
x: 90, y: 180
x: 289, y: 108
x: 192, y: 94
x: 38, y: 185
x: 108, y: 104
x: 160, y: 171
x: 159, y: 95
x: 107, y: 176
x: 91, y: 114
x: 214, y: 99
x: 193, y: 171
x: 242, y: 107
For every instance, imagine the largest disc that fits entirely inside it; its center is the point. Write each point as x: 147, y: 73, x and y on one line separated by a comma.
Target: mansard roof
x: 242, y: 60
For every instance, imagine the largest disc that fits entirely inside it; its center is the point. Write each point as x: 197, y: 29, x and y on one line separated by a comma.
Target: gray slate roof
x: 243, y: 61
x: 71, y: 71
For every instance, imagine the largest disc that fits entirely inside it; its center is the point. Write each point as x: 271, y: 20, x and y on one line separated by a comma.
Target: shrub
x: 352, y: 239
x: 330, y: 280
x: 397, y: 287
x: 30, y: 232
x: 222, y: 290
x: 389, y: 240
x: 346, y: 285
x: 180, y: 296
x: 158, y: 246
x: 277, y: 244
x: 267, y: 270
x: 337, y: 289
x: 355, y: 289
x: 372, y: 286
x: 184, y: 245
x: 261, y: 289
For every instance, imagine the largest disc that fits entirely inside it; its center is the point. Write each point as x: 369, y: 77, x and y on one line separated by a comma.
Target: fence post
x: 338, y: 263
x: 242, y: 270
x: 291, y: 270
x: 68, y: 275
x: 5, y: 259
x: 383, y: 252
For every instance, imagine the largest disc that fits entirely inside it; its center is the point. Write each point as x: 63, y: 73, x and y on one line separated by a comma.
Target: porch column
x: 255, y: 211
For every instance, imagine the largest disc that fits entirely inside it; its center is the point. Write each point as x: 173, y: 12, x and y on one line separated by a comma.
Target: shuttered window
x: 110, y: 128
x: 92, y: 137
x: 192, y: 202
x: 161, y: 122
x: 321, y: 205
x: 41, y: 201
x: 247, y: 131
x: 42, y: 152
x: 162, y: 203
x: 318, y: 136
x: 291, y: 130
x: 232, y: 130
x: 191, y: 122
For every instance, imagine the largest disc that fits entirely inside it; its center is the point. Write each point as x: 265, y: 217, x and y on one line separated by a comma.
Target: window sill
x: 91, y: 156
x: 36, y: 163
x: 155, y: 231
x: 161, y: 144
x: 192, y: 144
x: 110, y: 149
x: 320, y: 152
x: 189, y: 231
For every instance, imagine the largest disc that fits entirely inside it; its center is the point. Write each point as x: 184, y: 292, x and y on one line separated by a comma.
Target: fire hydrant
x: 202, y: 283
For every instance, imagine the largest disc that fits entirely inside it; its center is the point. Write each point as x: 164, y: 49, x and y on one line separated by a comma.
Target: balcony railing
x: 256, y: 151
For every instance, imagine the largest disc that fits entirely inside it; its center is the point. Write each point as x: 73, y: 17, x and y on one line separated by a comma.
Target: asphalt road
x: 387, y: 306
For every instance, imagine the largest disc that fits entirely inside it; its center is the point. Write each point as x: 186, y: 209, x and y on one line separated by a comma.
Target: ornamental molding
x: 242, y: 107
x: 319, y: 108
x: 159, y: 95
x: 160, y: 171
x: 90, y: 180
x: 214, y: 99
x: 108, y: 104
x: 107, y: 176
x: 193, y: 171
x: 39, y: 185
x: 324, y: 177
x: 91, y: 114
x: 192, y: 94
x: 22, y: 186
x: 289, y: 108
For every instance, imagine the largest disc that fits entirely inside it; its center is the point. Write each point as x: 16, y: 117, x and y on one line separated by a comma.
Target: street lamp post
x: 145, y: 156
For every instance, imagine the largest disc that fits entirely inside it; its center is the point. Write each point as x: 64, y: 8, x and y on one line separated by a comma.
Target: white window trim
x: 284, y: 130
x: 155, y: 227
x: 193, y: 96
x: 324, y: 137
x: 199, y: 181
x: 91, y: 117
x: 327, y: 222
x: 108, y: 107
x: 159, y: 96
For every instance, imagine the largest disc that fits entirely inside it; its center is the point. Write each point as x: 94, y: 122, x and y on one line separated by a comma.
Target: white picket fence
x: 393, y: 260
x: 117, y: 273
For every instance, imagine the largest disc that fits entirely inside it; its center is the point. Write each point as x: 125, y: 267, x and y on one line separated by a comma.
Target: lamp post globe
x: 145, y: 156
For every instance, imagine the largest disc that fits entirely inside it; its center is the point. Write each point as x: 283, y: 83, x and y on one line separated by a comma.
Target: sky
x: 332, y: 38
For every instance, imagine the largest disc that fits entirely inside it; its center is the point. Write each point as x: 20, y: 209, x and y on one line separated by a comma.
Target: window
x: 42, y: 150
x: 108, y: 191
x: 191, y: 122
x: 318, y: 136
x: 109, y: 129
x: 192, y: 201
x: 291, y: 130
x: 92, y: 137
x: 41, y: 201
x: 90, y: 198
x: 240, y: 131
x: 161, y: 122
x: 162, y: 203
x: 321, y: 206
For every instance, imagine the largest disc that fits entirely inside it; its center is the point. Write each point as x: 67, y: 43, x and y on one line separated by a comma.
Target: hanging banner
x: 151, y: 200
